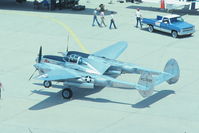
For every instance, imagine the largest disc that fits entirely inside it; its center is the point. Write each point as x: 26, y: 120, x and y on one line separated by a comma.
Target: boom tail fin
x: 172, y: 68
x: 146, y: 80
x: 171, y: 74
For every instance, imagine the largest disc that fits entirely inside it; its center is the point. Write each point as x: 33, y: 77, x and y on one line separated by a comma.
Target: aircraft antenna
x: 67, y: 43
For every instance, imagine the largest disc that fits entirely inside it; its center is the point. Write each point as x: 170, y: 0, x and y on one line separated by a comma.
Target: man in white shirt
x: 138, y: 17
x: 102, y: 18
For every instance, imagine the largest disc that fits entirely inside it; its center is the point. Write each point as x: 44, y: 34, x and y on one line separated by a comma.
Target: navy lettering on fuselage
x: 147, y: 80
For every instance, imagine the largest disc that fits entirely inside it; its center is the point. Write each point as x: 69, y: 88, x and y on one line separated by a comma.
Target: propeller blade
x: 40, y: 54
x: 32, y: 74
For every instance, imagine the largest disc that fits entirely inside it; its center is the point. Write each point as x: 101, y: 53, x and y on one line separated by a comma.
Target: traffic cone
x: 162, y: 5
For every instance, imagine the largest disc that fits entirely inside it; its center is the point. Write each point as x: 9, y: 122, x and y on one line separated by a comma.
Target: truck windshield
x: 177, y: 19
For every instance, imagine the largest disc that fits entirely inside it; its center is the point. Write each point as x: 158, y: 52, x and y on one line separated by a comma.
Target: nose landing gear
x: 47, y: 84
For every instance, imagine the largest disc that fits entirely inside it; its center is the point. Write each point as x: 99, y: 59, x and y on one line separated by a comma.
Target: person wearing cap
x: 138, y: 18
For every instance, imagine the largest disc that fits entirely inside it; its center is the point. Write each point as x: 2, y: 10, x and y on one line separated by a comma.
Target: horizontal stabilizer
x: 162, y: 78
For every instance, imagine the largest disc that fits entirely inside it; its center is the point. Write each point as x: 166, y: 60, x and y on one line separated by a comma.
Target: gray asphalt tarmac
x: 28, y: 107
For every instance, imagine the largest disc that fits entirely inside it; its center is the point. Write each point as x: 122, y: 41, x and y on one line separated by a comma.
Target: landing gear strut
x: 67, y: 93
x: 47, y: 84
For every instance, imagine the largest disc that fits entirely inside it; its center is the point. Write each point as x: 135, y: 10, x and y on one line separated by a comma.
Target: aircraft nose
x: 37, y: 66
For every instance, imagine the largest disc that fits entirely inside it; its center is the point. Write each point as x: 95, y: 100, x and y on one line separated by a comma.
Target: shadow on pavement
x: 153, y: 99
x: 56, y: 98
x: 167, y: 34
x: 80, y: 94
x: 28, y: 6
x: 53, y: 100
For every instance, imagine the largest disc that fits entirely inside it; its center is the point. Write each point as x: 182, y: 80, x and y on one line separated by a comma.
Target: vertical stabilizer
x: 172, y: 68
x: 146, y: 80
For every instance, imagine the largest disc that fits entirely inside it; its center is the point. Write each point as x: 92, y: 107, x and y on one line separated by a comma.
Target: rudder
x: 172, y: 68
x: 146, y: 80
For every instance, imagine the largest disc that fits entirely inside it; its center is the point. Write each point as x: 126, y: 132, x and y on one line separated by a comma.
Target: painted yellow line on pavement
x: 62, y: 24
x: 71, y: 33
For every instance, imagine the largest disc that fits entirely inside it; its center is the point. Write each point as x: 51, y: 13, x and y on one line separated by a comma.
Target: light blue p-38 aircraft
x: 81, y: 70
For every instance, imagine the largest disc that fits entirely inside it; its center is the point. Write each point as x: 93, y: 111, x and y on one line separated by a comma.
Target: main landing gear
x: 67, y: 93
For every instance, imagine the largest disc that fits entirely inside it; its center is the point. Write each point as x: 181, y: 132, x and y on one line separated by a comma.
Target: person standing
x: 60, y: 4
x: 138, y: 18
x: 95, y: 17
x: 112, y: 22
x: 102, y: 18
x: 1, y: 87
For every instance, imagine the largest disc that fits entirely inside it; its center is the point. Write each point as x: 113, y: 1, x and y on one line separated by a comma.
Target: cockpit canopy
x: 73, y: 58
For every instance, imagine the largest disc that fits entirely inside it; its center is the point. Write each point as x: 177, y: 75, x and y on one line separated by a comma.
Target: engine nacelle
x: 79, y: 85
x: 113, y: 72
x: 129, y: 69
x: 101, y: 82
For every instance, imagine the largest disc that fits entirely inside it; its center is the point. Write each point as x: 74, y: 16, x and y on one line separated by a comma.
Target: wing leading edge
x: 113, y: 51
x: 55, y: 72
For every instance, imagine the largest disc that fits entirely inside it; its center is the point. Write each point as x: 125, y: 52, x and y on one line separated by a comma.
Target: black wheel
x: 67, y: 93
x: 151, y: 29
x: 47, y: 84
x: 174, y: 34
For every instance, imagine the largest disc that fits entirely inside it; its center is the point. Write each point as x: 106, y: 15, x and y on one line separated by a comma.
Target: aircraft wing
x: 113, y: 51
x: 98, y: 64
x: 55, y: 72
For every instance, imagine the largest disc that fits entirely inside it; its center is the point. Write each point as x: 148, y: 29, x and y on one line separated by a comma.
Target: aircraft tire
x: 47, y: 84
x: 67, y: 93
x: 151, y: 29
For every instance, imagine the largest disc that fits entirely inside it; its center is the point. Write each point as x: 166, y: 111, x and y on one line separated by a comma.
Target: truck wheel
x: 150, y: 28
x: 174, y: 34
